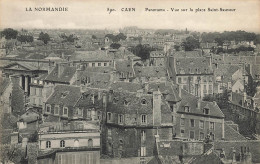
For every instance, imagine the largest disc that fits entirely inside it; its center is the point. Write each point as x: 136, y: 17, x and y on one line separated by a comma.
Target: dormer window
x: 126, y: 102
x: 114, y: 100
x: 64, y: 94
x: 206, y: 111
x: 187, y: 109
x: 143, y: 102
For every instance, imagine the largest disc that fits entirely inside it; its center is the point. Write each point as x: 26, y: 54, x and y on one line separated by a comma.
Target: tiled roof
x: 192, y: 102
x: 65, y: 76
x: 150, y: 71
x: 64, y: 95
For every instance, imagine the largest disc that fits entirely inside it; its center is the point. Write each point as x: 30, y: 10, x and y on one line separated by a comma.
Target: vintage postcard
x: 133, y: 82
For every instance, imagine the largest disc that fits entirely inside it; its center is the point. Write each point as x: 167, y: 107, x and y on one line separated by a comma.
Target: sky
x: 90, y: 14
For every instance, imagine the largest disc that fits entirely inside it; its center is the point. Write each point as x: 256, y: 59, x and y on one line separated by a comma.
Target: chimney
x: 233, y: 154
x: 146, y: 87
x: 199, y: 104
x: 60, y: 69
x: 157, y: 96
x: 243, y: 99
x: 24, y: 142
x: 180, y: 91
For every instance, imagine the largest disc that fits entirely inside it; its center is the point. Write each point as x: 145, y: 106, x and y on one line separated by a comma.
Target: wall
x: 187, y: 128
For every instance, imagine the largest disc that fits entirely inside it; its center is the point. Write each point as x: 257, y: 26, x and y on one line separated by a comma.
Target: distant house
x: 60, y: 104
x: 134, y: 115
x: 77, y: 142
x: 193, y: 74
x: 198, y: 119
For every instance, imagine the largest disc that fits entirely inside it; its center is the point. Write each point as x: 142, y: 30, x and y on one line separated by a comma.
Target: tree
x: 177, y: 47
x: 10, y: 33
x: 142, y: 51
x: 94, y: 37
x: 44, y: 37
x: 190, y: 44
x: 25, y: 38
x: 115, y: 45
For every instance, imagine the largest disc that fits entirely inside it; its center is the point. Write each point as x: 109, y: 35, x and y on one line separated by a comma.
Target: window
x: 48, y: 108
x: 109, y: 116
x: 105, y: 64
x: 143, y: 102
x: 114, y: 100
x: 212, y: 126
x: 201, y: 124
x: 62, y: 143
x: 48, y: 144
x: 90, y: 143
x: 65, y: 111
x: 187, y: 109
x: 201, y: 136
x: 76, y: 143
x: 143, y: 135
x: 40, y: 92
x: 179, y: 80
x: 33, y: 100
x: 56, y: 110
x: 206, y: 111
x: 172, y: 107
x: 182, y: 121
x: 80, y: 112
x: 120, y: 119
x: 93, y: 64
x: 192, y: 123
x: 143, y: 151
x: 89, y: 113
x: 99, y: 64
x: 192, y: 134
x: 205, y: 89
x: 126, y: 102
x: 109, y: 132
x: 40, y: 101
x: 40, y: 82
x: 143, y: 118
x: 182, y: 132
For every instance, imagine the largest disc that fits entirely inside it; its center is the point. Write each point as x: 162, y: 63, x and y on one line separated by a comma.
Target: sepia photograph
x: 129, y: 82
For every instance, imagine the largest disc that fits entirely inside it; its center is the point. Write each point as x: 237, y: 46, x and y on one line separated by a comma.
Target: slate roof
x: 182, y: 54
x: 4, y: 83
x: 232, y: 134
x: 64, y: 95
x: 86, y: 99
x: 124, y: 66
x: 65, y: 76
x: 211, y: 158
x: 91, y: 56
x: 192, y: 102
x: 29, y: 117
x: 170, y: 90
x: 151, y: 71
x: 198, y: 65
x: 125, y: 86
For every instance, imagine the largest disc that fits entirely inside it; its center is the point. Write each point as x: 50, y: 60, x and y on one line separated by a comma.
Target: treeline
x: 142, y: 51
x: 219, y: 50
x: 169, y: 31
x: 71, y: 38
x: 116, y: 38
x: 229, y: 36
